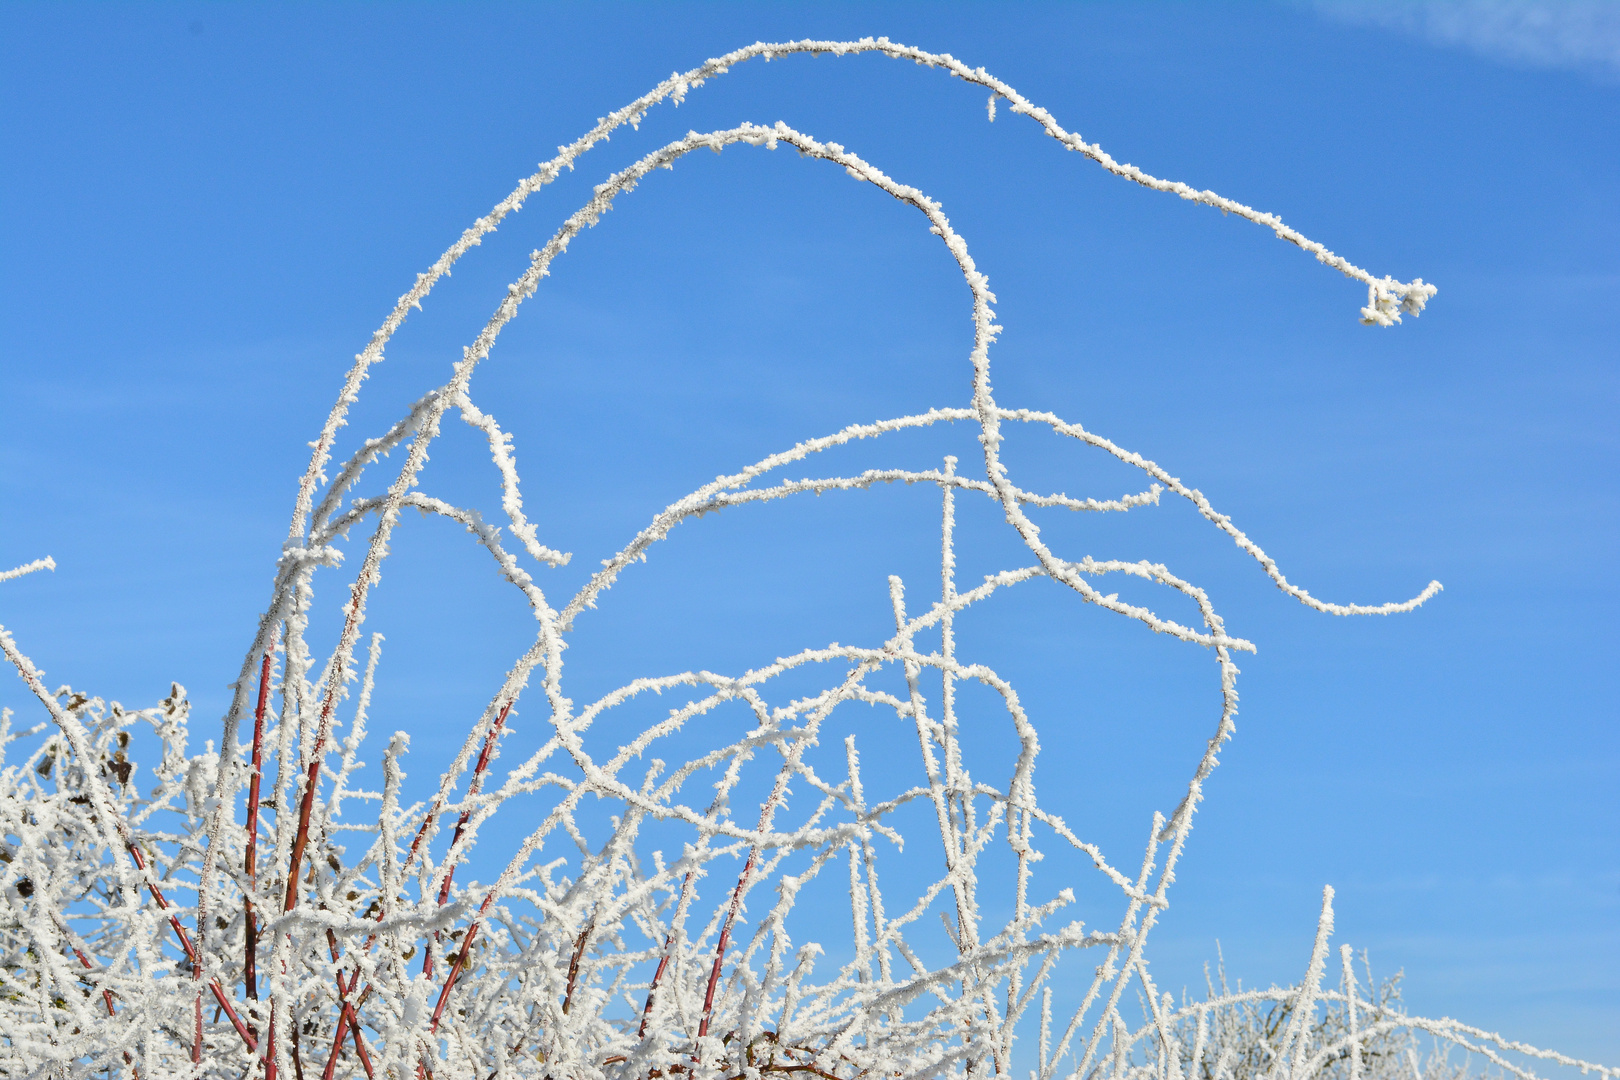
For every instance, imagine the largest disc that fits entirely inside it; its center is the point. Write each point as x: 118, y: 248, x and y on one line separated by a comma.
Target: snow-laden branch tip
x: 47, y: 563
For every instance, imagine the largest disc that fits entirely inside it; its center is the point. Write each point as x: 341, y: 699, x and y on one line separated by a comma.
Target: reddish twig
x: 652, y: 988
x: 472, y: 789
x: 312, y: 775
x: 663, y: 964
x: 348, y: 1023
x: 573, y: 963
x: 192, y: 956
x: 106, y: 997
x: 306, y: 807
x: 766, y: 813
x: 460, y: 961
x: 725, y: 938
x: 270, y: 1046
x: 250, y: 975
x: 347, y: 1018
x: 196, y: 1040
x: 337, y: 1044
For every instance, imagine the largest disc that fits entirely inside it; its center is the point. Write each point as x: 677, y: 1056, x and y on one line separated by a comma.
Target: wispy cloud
x: 1583, y: 35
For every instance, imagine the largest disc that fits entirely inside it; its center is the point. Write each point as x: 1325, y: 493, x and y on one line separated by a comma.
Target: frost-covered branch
x: 652, y: 915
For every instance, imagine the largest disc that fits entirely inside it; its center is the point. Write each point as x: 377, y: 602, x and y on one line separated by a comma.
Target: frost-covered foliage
x: 261, y: 911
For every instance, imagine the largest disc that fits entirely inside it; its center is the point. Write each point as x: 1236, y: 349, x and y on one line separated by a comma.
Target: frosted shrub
x: 261, y: 910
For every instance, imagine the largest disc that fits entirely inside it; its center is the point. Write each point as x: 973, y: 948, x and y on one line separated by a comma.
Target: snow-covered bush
x: 260, y: 909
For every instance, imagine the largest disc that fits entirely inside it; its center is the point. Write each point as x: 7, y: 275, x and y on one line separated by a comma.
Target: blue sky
x: 205, y: 210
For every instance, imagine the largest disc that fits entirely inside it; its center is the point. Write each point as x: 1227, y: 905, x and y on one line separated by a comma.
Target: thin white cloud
x: 1583, y: 35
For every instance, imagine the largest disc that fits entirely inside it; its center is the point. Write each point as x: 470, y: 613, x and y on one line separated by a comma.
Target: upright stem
x: 663, y: 963
x: 348, y: 1024
x: 312, y: 775
x: 306, y: 807
x: 473, y: 787
x: 966, y: 928
x: 196, y: 1041
x: 250, y: 977
x: 767, y: 813
x: 573, y: 963
x: 106, y: 997
x: 192, y: 956
x: 652, y: 987
x: 270, y: 1045
x: 725, y: 939
x: 459, y: 962
x: 347, y: 1019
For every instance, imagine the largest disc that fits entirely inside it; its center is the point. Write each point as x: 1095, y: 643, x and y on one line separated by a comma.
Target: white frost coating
x: 47, y: 563
x: 646, y: 923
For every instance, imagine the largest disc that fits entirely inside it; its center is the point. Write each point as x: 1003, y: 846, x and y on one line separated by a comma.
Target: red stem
x: 347, y: 1020
x: 573, y: 963
x: 663, y: 963
x: 348, y: 1023
x: 250, y: 975
x: 725, y: 938
x: 410, y: 856
x: 300, y: 844
x: 766, y: 813
x: 306, y: 805
x: 472, y: 789
x: 347, y: 1016
x: 191, y: 952
x: 270, y: 1046
x: 106, y: 996
x: 646, y: 1011
x: 460, y: 962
